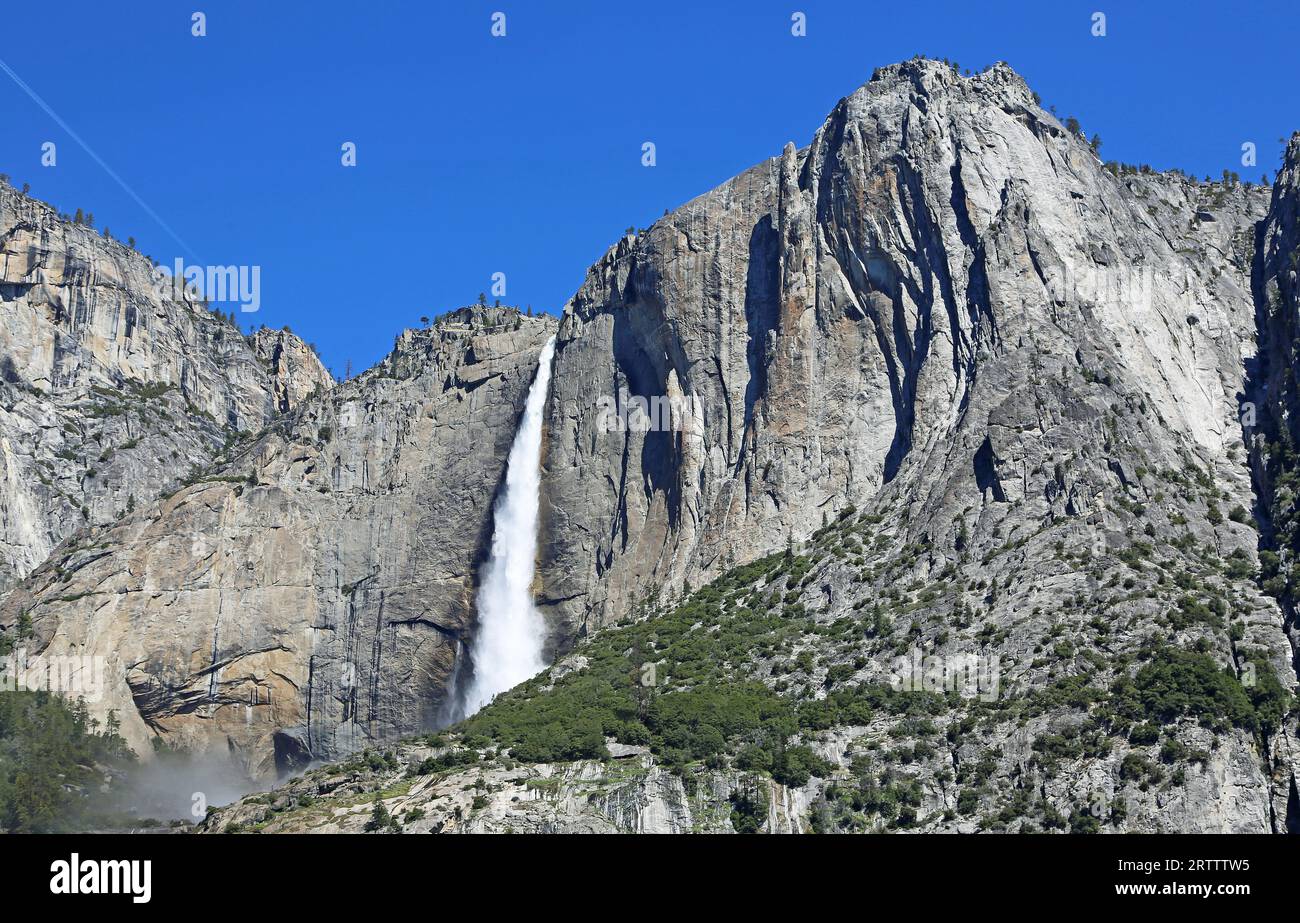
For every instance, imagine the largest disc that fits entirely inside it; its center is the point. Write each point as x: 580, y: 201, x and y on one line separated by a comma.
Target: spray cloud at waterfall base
x: 507, y: 648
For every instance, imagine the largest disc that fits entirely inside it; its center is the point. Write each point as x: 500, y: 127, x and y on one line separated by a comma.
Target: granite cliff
x: 112, y: 386
x: 308, y: 596
x: 939, y: 389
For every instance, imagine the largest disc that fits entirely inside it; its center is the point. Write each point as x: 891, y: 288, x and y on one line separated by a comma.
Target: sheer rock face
x: 1278, y: 299
x: 308, y: 597
x: 888, y: 307
x: 112, y: 386
x: 1274, y: 398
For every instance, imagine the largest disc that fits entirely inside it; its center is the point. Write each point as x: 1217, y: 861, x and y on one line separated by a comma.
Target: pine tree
x: 380, y: 819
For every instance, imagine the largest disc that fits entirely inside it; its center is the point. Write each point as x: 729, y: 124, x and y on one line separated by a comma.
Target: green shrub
x: 1176, y: 684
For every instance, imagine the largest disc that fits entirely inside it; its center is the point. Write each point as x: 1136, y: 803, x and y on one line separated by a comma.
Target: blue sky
x: 522, y: 154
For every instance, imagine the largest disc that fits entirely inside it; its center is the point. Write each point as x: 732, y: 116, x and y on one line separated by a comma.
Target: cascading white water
x: 508, y: 646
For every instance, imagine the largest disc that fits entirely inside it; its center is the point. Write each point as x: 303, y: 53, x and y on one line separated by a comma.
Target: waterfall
x: 507, y: 648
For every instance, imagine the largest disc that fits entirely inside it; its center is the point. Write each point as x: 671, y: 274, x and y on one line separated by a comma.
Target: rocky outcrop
x: 112, y: 386
x: 295, y: 369
x: 628, y: 795
x: 310, y: 596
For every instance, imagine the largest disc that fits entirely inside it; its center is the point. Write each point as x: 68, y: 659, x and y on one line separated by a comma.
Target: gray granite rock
x: 309, y: 596
x: 112, y: 388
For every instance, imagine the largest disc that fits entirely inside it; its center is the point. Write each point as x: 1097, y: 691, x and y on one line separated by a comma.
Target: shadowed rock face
x: 111, y: 389
x: 307, y: 598
x: 890, y: 307
x: 1273, y: 428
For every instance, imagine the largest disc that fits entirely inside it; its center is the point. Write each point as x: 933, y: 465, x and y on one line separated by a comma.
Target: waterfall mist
x: 507, y: 648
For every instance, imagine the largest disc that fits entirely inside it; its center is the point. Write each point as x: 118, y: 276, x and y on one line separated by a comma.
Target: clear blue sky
x: 522, y: 154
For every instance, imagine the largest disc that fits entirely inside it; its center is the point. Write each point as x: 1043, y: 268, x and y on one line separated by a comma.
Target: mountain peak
x: 929, y: 76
